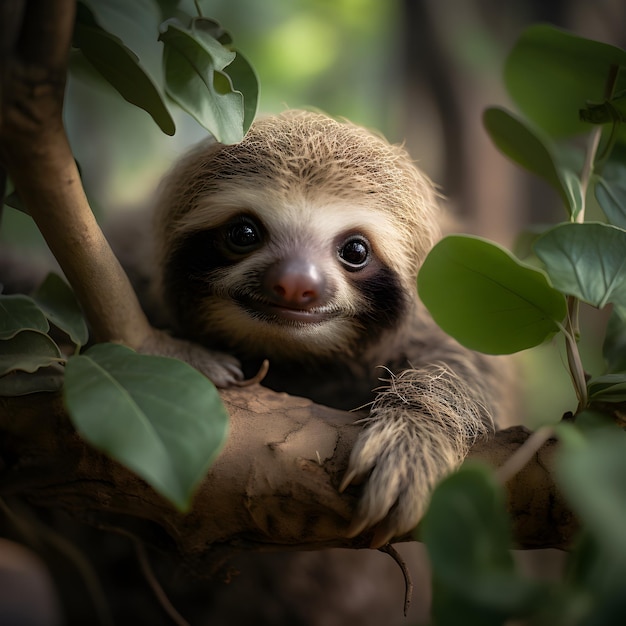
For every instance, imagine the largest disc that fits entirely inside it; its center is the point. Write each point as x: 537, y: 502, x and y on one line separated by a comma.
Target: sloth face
x: 285, y: 281
x: 303, y: 240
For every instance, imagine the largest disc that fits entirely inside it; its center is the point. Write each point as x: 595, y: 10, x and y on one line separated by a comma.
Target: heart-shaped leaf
x: 587, y: 261
x: 486, y: 299
x: 156, y: 415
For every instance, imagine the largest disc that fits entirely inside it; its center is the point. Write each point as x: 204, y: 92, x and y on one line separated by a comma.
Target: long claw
x: 347, y: 479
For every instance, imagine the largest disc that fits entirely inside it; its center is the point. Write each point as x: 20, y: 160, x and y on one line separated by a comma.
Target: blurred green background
x: 419, y: 71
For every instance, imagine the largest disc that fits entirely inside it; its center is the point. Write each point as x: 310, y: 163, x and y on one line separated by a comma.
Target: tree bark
x: 274, y: 486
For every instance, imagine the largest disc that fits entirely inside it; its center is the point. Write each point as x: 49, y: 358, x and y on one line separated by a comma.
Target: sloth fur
x: 344, y: 218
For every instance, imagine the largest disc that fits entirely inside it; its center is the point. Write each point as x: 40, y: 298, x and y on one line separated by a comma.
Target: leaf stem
x: 572, y: 329
x: 594, y: 142
x: 198, y: 8
x: 587, y: 171
x: 576, y: 369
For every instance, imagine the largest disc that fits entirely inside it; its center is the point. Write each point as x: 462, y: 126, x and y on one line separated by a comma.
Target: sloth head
x: 303, y: 239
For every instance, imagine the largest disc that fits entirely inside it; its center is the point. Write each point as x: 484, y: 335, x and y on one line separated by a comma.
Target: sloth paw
x: 222, y: 369
x: 395, y: 491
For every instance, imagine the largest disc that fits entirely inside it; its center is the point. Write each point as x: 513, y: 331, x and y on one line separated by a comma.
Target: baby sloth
x: 301, y: 245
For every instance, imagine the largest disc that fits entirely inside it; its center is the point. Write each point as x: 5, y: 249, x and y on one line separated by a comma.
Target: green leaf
x: 608, y: 388
x: 27, y: 351
x: 193, y: 62
x: 551, y: 74
x: 19, y: 313
x: 23, y: 383
x: 610, y: 192
x: 524, y: 146
x: 593, y: 479
x: 486, y: 299
x: 120, y: 66
x: 156, y: 415
x: 474, y: 567
x: 57, y: 301
x: 587, y: 261
x: 614, y: 348
x: 245, y: 80
x: 595, y: 579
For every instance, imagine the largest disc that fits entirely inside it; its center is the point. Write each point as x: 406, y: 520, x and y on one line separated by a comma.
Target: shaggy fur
x: 307, y: 184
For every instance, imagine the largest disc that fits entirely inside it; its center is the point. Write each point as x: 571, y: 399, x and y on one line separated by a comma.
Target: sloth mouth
x: 276, y: 313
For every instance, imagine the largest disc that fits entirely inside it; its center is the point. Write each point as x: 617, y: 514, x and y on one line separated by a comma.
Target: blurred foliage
x: 564, y: 85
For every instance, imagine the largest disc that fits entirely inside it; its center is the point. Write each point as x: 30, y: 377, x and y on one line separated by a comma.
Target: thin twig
x: 408, y: 582
x: 161, y: 596
x: 518, y: 460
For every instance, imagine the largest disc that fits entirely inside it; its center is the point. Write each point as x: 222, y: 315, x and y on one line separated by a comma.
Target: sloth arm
x: 437, y: 400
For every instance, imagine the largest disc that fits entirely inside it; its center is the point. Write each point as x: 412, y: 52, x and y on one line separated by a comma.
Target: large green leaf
x: 592, y: 474
x: 27, y: 351
x: 474, y: 574
x: 17, y: 313
x: 57, y: 300
x: 524, y: 146
x: 156, y: 415
x: 194, y: 61
x: 551, y: 74
x: 121, y: 67
x: 486, y: 299
x: 587, y: 261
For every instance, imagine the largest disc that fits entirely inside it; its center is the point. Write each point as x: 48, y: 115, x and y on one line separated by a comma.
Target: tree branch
x: 36, y: 154
x: 274, y: 487
x: 275, y: 484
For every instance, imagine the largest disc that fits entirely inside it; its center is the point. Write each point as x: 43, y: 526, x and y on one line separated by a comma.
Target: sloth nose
x: 295, y: 283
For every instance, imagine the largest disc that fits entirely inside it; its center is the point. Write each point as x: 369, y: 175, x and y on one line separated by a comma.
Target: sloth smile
x: 275, y: 313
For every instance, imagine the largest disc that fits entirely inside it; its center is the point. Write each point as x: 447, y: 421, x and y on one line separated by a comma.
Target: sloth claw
x: 393, y: 498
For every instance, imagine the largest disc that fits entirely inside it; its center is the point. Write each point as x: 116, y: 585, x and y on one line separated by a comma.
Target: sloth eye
x: 243, y: 236
x: 354, y: 253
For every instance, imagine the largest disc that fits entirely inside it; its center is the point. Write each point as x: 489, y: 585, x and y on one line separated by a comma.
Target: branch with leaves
x: 564, y: 87
x: 268, y: 474
x: 34, y: 150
